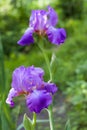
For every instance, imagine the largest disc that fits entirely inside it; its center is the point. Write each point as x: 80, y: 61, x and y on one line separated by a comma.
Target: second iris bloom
x: 29, y: 82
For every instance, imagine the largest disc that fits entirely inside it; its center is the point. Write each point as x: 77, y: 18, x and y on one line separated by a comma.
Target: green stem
x: 46, y: 60
x: 51, y: 117
x: 50, y: 111
x: 34, y: 120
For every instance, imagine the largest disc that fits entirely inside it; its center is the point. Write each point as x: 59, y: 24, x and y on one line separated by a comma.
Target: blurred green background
x: 70, y: 65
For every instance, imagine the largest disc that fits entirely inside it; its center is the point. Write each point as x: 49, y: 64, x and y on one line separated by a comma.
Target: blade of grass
x: 68, y: 126
x: 2, y: 71
x: 5, y: 118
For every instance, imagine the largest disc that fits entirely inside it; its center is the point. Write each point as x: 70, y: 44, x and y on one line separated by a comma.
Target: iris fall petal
x: 38, y: 100
x: 27, y: 38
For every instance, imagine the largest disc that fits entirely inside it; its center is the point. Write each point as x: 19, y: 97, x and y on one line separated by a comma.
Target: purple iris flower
x: 43, y: 23
x: 29, y: 82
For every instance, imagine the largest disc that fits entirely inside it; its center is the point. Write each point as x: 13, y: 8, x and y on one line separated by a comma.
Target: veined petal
x: 27, y: 38
x: 36, y: 71
x: 39, y: 71
x: 11, y: 95
x: 23, y: 79
x: 38, y: 100
x: 53, y: 18
x: 38, y: 20
x: 56, y: 36
x: 17, y: 78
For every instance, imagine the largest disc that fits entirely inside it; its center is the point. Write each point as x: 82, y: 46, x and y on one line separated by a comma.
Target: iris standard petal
x: 56, y: 36
x: 17, y: 78
x: 38, y: 20
x: 38, y: 100
x: 11, y: 95
x: 27, y: 38
x: 33, y: 19
x: 50, y: 87
x: 36, y: 71
x: 25, y: 79
x: 52, y: 15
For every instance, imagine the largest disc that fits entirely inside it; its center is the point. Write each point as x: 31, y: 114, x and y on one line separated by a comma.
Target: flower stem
x: 50, y: 109
x: 51, y: 117
x: 34, y: 120
x: 46, y: 60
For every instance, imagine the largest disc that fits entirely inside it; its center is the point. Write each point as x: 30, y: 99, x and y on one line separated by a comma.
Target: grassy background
x: 70, y: 73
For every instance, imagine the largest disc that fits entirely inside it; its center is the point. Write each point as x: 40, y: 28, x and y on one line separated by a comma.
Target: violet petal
x: 11, y: 95
x: 53, y: 18
x: 36, y: 70
x: 50, y: 87
x: 17, y: 78
x: 27, y: 38
x: 38, y: 100
x: 38, y: 20
x: 56, y: 36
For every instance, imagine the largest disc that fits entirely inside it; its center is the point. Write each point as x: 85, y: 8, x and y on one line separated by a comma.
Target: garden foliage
x: 70, y: 70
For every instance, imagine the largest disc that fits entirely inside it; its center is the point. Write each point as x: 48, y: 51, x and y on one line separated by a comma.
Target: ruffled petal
x: 36, y: 71
x: 56, y: 36
x: 53, y: 18
x: 39, y: 71
x: 38, y: 20
x: 22, y: 80
x: 26, y: 79
x: 50, y: 87
x: 27, y: 38
x: 11, y: 95
x: 34, y: 78
x: 17, y: 78
x: 38, y: 100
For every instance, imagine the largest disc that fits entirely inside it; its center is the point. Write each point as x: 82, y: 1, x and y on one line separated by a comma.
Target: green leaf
x: 68, y: 126
x: 27, y: 123
x: 2, y: 71
x: 20, y: 126
x: 53, y: 64
x: 5, y: 118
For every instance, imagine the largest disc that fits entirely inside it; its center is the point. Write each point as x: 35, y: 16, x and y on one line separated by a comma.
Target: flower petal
x: 34, y: 78
x: 50, y: 87
x: 38, y: 20
x: 39, y: 71
x: 53, y: 18
x: 11, y: 95
x: 36, y: 71
x: 38, y: 100
x: 17, y: 78
x: 27, y: 38
x: 26, y: 79
x: 56, y: 36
